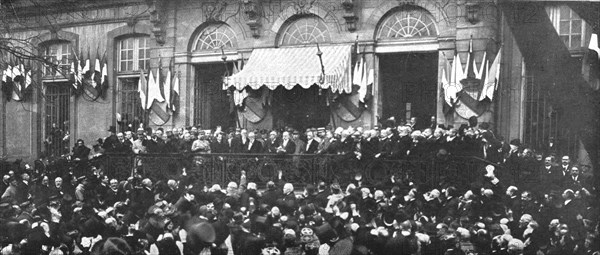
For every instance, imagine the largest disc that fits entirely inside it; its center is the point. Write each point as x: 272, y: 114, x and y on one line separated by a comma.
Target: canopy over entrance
x: 291, y: 66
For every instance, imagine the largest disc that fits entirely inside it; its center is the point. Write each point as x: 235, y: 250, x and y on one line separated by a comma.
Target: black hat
x: 515, y: 142
x: 112, y: 129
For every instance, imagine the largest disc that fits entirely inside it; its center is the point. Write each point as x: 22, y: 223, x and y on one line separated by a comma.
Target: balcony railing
x: 208, y: 169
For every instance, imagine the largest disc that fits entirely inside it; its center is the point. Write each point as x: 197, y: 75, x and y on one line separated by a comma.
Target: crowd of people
x: 86, y: 212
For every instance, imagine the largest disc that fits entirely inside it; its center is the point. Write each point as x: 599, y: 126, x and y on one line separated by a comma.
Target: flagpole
x: 146, y: 109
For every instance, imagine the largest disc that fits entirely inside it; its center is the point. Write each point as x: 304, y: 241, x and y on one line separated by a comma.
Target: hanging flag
x: 86, y: 67
x: 143, y: 90
x: 17, y: 78
x: 158, y: 106
x: 167, y: 89
x: 454, y: 85
x: 28, y: 79
x: 7, y: 83
x: 154, y: 90
x: 362, y: 91
x: 370, y: 82
x: 175, y: 95
x: 97, y: 74
x: 357, y: 75
x: 459, y: 74
x: 479, y: 71
x: 492, y: 78
x: 594, y: 62
x: 239, y: 96
x: 470, y: 67
x: 104, y: 80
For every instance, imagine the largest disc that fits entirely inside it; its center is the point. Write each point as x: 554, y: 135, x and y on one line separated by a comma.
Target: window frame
x: 554, y: 12
x: 59, y: 57
x: 391, y: 22
x: 135, y: 54
x: 285, y: 33
x: 219, y: 32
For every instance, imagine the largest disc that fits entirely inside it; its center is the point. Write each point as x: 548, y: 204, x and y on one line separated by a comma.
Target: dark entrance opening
x: 211, y: 104
x: 409, y: 85
x: 300, y: 108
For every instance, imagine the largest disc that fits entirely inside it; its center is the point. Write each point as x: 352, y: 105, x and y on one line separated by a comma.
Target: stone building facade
x: 408, y: 44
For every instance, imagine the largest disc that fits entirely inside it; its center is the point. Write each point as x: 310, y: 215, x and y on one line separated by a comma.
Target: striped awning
x: 291, y: 66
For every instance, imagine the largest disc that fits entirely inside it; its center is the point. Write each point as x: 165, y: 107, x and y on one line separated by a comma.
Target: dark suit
x: 219, y: 147
x: 346, y: 146
x: 552, y: 177
x: 81, y: 152
x: 271, y: 145
x: 575, y: 183
x: 311, y: 147
x: 253, y: 147
x: 289, y: 148
x: 123, y: 147
x: 154, y: 146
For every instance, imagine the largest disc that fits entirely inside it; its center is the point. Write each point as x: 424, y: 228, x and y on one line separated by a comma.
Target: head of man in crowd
x: 296, y: 135
x: 309, y: 135
x: 147, y: 183
x: 575, y: 171
x: 128, y: 135
x: 121, y: 137
x: 565, y: 160
x: 548, y: 161
x: 288, y: 188
x: 427, y: 133
x: 286, y: 136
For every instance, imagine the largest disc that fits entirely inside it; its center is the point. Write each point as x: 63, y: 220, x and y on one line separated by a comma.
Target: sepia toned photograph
x: 300, y: 127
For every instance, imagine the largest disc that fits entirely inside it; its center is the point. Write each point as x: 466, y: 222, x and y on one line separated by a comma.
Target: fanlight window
x: 407, y: 24
x: 305, y: 30
x: 216, y: 37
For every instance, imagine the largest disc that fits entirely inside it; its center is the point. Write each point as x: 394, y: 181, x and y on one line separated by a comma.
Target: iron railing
x: 208, y: 169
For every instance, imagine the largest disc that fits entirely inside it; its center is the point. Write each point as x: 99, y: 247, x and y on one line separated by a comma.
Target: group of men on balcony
x: 386, y: 141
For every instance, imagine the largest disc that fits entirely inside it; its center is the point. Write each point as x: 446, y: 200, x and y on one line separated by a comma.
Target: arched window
x: 305, y: 30
x: 216, y: 36
x: 407, y: 23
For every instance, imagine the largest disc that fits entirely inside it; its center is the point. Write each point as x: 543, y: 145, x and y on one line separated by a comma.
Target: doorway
x: 211, y: 103
x: 409, y: 85
x: 300, y: 108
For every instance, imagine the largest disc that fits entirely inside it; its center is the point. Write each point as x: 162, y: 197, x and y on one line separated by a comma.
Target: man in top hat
x: 111, y: 140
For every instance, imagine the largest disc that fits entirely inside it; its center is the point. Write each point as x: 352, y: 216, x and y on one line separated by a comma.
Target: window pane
x: 565, y: 12
x: 575, y: 41
x: 129, y: 65
x: 564, y: 27
x: 576, y: 26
